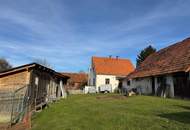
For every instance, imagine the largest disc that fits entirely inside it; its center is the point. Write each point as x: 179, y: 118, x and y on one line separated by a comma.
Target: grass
x: 114, y: 112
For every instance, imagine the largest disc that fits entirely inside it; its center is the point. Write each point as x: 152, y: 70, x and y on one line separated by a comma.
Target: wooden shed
x: 41, y: 84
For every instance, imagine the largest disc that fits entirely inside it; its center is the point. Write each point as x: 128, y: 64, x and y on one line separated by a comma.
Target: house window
x: 107, y: 81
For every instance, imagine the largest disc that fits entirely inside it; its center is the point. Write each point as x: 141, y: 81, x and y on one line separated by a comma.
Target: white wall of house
x: 125, y: 84
x: 170, y: 86
x: 169, y: 81
x: 143, y: 85
x: 100, y: 80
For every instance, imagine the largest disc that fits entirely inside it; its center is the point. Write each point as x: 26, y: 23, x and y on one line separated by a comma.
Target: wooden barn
x: 165, y: 73
x: 40, y: 84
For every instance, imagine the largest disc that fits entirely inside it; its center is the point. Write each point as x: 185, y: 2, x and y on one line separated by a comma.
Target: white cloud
x: 57, y: 38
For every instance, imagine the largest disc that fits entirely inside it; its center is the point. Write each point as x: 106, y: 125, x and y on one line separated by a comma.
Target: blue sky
x: 68, y: 32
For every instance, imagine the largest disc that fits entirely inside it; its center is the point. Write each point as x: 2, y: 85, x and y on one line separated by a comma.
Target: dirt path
x: 19, y: 126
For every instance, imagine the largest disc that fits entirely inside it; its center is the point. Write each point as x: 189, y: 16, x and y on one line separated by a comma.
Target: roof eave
x: 17, y: 69
x: 25, y: 67
x: 188, y: 69
x: 158, y: 74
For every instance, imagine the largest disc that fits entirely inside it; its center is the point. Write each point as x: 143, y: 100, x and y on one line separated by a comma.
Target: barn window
x: 107, y: 81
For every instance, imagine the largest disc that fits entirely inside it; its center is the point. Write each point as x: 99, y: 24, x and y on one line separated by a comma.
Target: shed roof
x: 175, y: 58
x: 112, y: 66
x: 29, y: 66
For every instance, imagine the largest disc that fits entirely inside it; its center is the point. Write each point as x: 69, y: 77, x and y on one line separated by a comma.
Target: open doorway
x: 153, y: 85
x: 181, y: 85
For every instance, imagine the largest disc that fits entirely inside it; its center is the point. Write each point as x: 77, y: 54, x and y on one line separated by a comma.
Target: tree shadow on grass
x: 183, y: 117
x: 184, y: 107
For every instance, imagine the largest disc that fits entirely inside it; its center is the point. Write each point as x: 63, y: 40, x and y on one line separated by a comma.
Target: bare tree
x: 4, y: 65
x: 43, y: 62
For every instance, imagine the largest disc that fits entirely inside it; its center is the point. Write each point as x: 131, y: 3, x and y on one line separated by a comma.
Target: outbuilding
x: 165, y: 73
x: 39, y: 83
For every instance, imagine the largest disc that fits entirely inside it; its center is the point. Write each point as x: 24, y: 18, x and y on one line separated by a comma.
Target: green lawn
x: 114, y: 112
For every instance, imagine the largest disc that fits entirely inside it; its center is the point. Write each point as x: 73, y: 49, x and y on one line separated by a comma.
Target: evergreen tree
x: 144, y: 54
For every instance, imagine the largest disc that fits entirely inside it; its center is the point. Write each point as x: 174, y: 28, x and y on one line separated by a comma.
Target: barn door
x: 181, y: 85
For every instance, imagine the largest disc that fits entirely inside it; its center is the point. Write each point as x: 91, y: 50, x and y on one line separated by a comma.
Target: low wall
x: 75, y: 91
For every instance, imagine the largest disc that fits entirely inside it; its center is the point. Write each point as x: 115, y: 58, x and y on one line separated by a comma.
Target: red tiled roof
x: 76, y: 80
x: 175, y: 58
x: 76, y: 77
x: 112, y: 66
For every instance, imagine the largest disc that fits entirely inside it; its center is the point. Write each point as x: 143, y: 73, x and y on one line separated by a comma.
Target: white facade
x: 169, y: 81
x: 98, y: 80
x: 145, y: 85
x: 101, y: 80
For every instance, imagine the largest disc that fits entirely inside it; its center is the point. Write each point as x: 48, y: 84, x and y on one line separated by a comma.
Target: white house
x: 165, y: 73
x: 106, y: 71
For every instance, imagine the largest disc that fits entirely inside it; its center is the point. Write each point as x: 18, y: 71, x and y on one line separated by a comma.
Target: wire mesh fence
x: 13, y: 105
x: 5, y: 106
x: 19, y: 105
